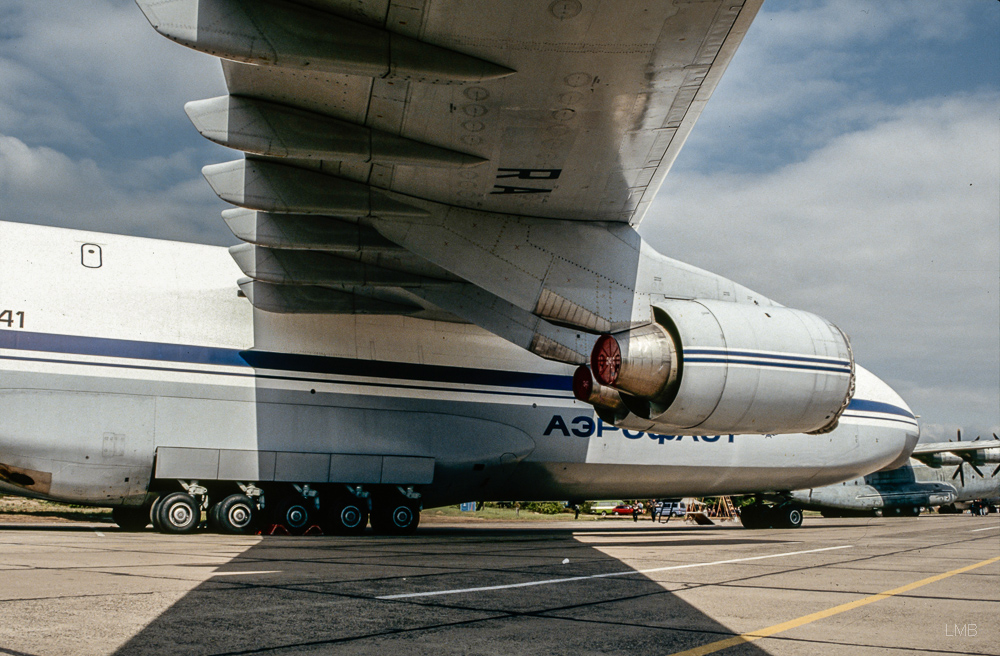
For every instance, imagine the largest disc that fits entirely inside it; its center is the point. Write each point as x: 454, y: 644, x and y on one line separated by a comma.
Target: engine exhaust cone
x: 583, y: 384
x: 606, y: 360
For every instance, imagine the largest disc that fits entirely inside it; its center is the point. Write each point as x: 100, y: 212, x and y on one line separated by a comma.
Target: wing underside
x: 420, y: 120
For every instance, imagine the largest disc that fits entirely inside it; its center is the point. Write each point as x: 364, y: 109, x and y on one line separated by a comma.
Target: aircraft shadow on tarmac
x: 319, y: 595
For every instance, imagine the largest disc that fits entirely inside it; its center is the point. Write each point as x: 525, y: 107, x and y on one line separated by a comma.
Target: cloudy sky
x: 848, y: 164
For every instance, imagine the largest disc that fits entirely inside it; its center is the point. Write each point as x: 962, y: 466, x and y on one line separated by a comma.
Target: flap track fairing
x: 306, y: 232
x: 266, y: 128
x: 290, y: 35
x: 274, y: 187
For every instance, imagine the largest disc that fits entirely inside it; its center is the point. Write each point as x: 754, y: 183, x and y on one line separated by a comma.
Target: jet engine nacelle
x: 710, y: 367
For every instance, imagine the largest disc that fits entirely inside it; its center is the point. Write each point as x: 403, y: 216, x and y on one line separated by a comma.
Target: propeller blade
x: 993, y: 475
x: 976, y: 469
x: 959, y: 434
x: 960, y: 474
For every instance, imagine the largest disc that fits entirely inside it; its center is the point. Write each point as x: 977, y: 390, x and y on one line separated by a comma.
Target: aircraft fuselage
x: 127, y: 362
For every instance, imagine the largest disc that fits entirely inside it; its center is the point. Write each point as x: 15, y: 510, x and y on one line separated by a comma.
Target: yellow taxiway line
x: 750, y: 636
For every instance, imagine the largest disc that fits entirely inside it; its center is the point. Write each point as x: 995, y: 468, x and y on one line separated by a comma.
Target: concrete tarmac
x: 927, y: 585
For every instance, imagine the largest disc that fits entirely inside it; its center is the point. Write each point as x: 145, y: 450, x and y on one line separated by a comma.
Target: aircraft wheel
x: 178, y: 512
x: 154, y: 513
x: 236, y: 514
x: 753, y: 516
x: 345, y: 514
x: 213, y: 517
x: 131, y: 518
x: 394, y: 514
x: 787, y: 516
x: 294, y: 514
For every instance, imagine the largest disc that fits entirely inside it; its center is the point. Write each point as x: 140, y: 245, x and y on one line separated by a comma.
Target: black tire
x: 213, y: 517
x: 294, y: 513
x: 787, y: 516
x: 131, y: 518
x: 394, y: 514
x: 236, y: 515
x: 178, y: 512
x: 752, y: 516
x: 344, y: 515
x: 154, y: 513
x: 604, y: 513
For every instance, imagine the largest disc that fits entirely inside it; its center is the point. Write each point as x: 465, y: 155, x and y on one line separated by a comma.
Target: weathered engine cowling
x: 709, y: 367
x: 605, y: 400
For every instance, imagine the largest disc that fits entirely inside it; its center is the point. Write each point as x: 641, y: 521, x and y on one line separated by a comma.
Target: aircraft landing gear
x: 177, y: 512
x: 395, y: 511
x: 787, y: 515
x: 290, y: 507
x: 131, y: 518
x: 236, y: 515
x: 294, y: 514
x: 344, y: 513
x: 760, y: 515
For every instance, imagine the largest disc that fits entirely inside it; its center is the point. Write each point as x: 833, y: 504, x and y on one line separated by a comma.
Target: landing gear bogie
x: 131, y: 518
x: 295, y: 514
x: 395, y: 511
x: 178, y: 512
x: 235, y: 515
x: 759, y: 515
x: 343, y: 514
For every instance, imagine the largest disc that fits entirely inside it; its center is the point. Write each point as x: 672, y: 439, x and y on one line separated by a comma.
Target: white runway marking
x: 99, y: 534
x: 988, y: 528
x: 602, y: 576
x: 273, y: 571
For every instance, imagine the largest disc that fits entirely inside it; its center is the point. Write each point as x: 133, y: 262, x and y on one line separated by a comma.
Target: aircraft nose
x: 891, y: 418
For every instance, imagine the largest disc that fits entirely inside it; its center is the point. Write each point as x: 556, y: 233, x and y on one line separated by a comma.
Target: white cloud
x: 891, y: 231
x: 42, y: 185
x: 809, y: 71
x: 69, y: 68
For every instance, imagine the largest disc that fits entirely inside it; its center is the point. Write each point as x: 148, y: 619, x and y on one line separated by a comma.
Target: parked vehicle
x: 671, y: 508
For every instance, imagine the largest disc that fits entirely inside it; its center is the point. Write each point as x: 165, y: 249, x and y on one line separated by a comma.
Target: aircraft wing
x: 975, y: 452
x: 466, y: 160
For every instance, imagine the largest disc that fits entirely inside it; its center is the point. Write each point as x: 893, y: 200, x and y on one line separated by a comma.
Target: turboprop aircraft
x: 926, y: 481
x: 441, y: 294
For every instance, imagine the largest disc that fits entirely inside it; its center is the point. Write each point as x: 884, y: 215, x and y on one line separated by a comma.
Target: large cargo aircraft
x: 441, y: 296
x: 938, y: 475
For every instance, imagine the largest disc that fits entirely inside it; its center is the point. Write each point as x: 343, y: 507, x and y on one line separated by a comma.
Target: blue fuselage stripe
x: 309, y: 364
x: 314, y: 364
